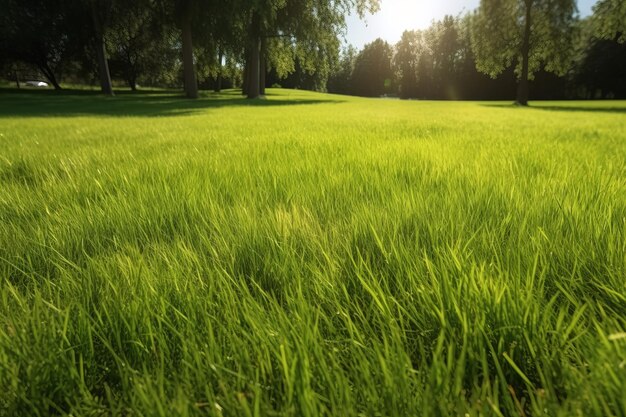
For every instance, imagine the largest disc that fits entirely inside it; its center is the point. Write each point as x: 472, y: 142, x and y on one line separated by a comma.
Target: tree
x: 254, y: 55
x: 214, y: 24
x: 140, y: 45
x: 36, y: 32
x: 533, y: 33
x: 405, y: 63
x: 219, y: 39
x: 100, y: 11
x: 311, y: 27
x: 372, y: 69
x: 609, y: 17
x: 465, y: 81
x: 600, y: 65
x: 445, y: 48
x: 341, y: 77
x: 184, y: 14
x: 602, y: 71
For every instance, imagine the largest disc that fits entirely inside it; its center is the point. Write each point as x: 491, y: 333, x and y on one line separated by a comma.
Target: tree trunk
x: 45, y: 69
x: 103, y: 68
x: 103, y: 63
x: 262, y: 69
x: 17, y: 78
x: 191, y: 85
x: 522, y: 88
x: 254, y: 87
x: 218, y: 81
x: 254, y: 79
x: 132, y: 84
x: 246, y: 70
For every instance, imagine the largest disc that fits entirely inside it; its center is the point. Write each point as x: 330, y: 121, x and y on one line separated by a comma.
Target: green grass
x: 310, y: 255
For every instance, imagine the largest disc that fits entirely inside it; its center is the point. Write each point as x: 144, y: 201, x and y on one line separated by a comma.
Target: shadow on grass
x: 151, y: 103
x: 595, y: 107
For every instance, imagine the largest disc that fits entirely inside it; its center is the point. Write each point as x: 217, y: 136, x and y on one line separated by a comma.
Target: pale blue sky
x: 396, y: 16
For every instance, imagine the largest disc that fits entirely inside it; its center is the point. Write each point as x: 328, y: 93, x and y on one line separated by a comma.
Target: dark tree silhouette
x: 372, y: 69
x: 36, y: 32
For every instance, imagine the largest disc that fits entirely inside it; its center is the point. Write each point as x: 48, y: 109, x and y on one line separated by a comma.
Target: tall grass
x: 311, y: 255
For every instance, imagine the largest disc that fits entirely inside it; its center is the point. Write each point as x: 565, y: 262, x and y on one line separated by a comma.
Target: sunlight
x: 396, y: 16
x: 407, y: 13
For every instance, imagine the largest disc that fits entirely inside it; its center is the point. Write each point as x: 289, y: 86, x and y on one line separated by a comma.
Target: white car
x: 36, y: 83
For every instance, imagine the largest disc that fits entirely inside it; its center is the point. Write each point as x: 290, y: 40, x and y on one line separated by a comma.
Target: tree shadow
x: 593, y: 107
x: 150, y: 103
x: 597, y: 109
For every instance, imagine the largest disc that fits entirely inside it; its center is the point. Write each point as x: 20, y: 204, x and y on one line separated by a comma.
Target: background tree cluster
x: 530, y: 48
x: 171, y: 43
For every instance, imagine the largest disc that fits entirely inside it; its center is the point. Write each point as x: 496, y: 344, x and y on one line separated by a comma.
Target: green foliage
x: 405, y: 62
x: 600, y: 64
x: 37, y: 32
x: 225, y: 257
x: 303, y: 35
x: 372, y: 67
x: 498, y: 31
x: 142, y: 49
x: 432, y: 62
x: 340, y: 79
x: 609, y: 17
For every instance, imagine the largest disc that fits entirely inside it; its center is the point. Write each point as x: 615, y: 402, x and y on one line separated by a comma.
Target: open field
x: 310, y: 255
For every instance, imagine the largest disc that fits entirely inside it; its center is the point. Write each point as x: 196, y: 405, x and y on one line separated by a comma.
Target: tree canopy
x: 534, y: 34
x: 297, y: 43
x: 610, y: 19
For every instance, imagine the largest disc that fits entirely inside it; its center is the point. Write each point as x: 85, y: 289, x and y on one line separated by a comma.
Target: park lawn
x: 310, y: 255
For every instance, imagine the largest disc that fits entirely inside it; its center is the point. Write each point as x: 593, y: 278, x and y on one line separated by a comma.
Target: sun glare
x: 402, y: 12
x: 396, y: 16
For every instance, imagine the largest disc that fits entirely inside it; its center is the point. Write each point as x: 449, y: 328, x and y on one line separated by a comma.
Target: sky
x: 396, y: 16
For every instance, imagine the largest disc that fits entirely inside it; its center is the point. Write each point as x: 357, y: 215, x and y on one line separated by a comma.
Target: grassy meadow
x: 310, y: 255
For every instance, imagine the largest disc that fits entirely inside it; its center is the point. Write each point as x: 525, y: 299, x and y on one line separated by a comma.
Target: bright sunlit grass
x: 310, y: 255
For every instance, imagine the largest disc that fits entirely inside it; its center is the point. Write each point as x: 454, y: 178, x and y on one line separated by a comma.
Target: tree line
x: 164, y: 42
x: 505, y: 47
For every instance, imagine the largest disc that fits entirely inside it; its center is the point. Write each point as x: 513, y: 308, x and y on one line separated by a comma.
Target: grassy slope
x: 311, y: 255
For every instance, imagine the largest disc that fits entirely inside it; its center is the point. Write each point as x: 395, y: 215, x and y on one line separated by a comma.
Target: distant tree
x: 133, y: 40
x: 432, y: 63
x: 470, y: 83
x: 534, y: 33
x: 13, y: 70
x: 372, y: 69
x: 445, y: 49
x: 600, y: 64
x: 438, y: 63
x: 469, y: 80
x: 182, y: 14
x: 36, y: 32
x: 426, y: 64
x: 405, y: 62
x: 341, y: 75
x: 603, y: 69
x: 310, y: 27
x: 219, y: 36
x: 100, y: 12
x: 609, y: 18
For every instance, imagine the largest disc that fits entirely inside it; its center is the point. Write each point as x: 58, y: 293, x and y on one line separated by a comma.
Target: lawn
x: 310, y: 255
